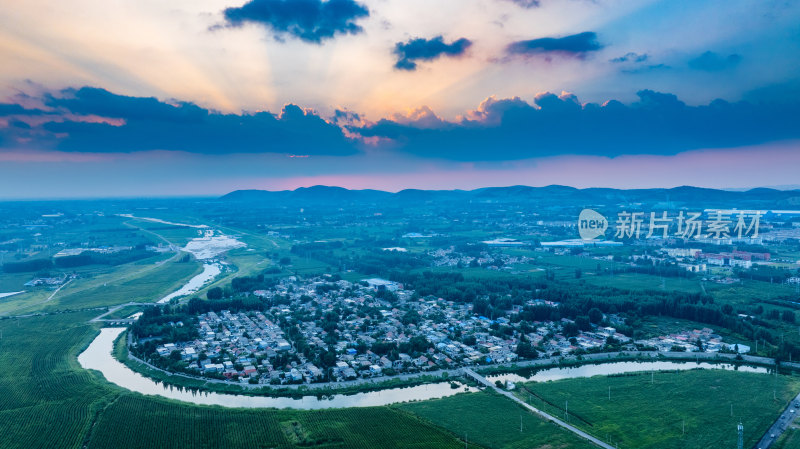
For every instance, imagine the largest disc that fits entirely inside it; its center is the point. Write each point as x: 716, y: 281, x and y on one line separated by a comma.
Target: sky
x: 201, y: 97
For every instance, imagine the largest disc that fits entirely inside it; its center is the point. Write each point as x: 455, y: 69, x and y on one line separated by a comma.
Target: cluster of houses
x: 252, y: 345
x: 449, y: 257
x: 231, y: 345
x: 49, y: 281
x: 704, y: 340
x: 375, y: 337
x: 696, y: 260
x: 100, y: 250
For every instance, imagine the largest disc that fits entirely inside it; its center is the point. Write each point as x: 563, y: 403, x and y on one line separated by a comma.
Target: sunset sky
x: 201, y: 97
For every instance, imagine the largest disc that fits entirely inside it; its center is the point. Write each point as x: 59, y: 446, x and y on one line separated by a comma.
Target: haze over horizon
x: 198, y: 98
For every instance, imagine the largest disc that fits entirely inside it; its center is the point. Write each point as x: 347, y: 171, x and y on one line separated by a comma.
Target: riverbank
x: 633, y: 356
x: 98, y: 356
x: 198, y: 383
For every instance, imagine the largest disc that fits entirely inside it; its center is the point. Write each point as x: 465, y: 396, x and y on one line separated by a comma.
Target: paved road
x: 780, y: 425
x: 544, y: 415
x: 117, y: 307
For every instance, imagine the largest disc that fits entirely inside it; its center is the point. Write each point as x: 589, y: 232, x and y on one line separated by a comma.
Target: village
x: 384, y: 330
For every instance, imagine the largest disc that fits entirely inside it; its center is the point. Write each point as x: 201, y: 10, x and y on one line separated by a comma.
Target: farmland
x: 145, y: 285
x: 48, y: 400
x: 668, y: 409
x: 490, y: 420
x: 138, y: 422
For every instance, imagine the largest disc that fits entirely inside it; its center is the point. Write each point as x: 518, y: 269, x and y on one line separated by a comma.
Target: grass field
x: 690, y: 409
x: 137, y: 422
x: 490, y: 420
x: 47, y: 400
x: 13, y: 282
x: 639, y: 281
x: 790, y: 439
x: 147, y: 286
x: 749, y: 291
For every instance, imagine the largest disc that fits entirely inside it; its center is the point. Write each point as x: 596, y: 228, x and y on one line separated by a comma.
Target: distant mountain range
x: 550, y: 195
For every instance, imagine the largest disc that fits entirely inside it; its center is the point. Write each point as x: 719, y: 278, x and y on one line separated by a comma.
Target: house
x: 376, y: 283
x: 189, y: 354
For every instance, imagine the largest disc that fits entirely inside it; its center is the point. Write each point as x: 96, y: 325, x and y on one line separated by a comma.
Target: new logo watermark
x: 591, y: 224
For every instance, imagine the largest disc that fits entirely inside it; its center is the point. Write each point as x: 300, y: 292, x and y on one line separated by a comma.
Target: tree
x: 570, y: 329
x: 727, y: 309
x: 583, y: 323
x: 526, y: 351
x: 595, y: 315
x: 578, y: 273
x: 214, y: 293
x: 285, y: 261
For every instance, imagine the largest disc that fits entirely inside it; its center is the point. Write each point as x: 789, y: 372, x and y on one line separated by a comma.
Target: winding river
x: 98, y: 357
x: 210, y: 271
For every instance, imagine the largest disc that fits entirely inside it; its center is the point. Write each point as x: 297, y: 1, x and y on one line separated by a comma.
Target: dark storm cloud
x: 427, y: 50
x: 95, y: 120
x: 7, y: 109
x: 309, y: 20
x: 576, y: 45
x: 129, y: 124
x: 714, y: 62
x: 95, y: 101
x: 19, y: 124
x: 658, y: 123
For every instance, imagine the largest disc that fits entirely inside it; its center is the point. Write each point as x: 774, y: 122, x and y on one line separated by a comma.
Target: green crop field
x: 141, y: 423
x: 13, y: 282
x: 47, y: 400
x: 689, y: 409
x: 749, y: 291
x: 147, y: 286
x: 639, y: 281
x: 491, y: 420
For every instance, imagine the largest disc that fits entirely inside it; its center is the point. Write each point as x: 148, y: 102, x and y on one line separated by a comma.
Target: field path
x: 535, y: 410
